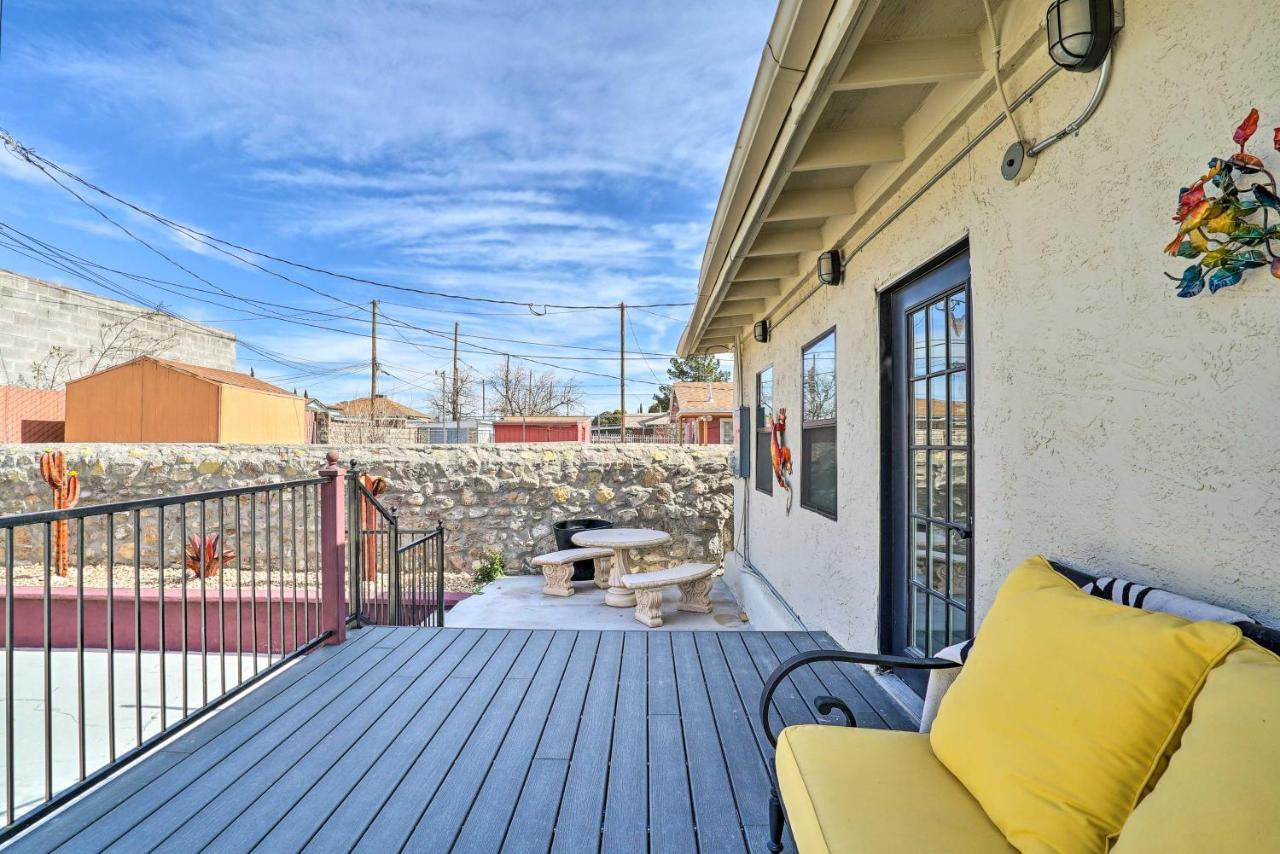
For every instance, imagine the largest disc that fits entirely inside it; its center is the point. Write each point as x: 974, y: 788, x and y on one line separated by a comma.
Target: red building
x: 702, y: 413
x: 543, y: 428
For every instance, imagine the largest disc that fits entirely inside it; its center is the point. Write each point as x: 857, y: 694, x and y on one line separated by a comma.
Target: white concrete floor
x: 28, y: 710
x: 517, y: 602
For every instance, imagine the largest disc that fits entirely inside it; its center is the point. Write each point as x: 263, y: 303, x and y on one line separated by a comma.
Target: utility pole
x: 484, y: 405
x: 457, y: 405
x: 373, y: 375
x: 622, y: 372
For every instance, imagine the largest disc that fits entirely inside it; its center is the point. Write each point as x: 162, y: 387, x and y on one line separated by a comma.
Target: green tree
x: 608, y: 418
x: 698, y: 369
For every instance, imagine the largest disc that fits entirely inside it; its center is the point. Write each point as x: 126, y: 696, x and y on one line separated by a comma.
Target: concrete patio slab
x: 517, y: 602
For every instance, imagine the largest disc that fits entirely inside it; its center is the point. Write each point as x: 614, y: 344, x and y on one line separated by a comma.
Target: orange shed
x: 158, y: 400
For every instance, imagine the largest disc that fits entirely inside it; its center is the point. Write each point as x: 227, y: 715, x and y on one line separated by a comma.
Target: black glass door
x: 928, y: 490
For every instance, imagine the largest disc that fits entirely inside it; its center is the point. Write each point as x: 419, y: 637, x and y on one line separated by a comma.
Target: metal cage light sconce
x: 1080, y: 32
x: 761, y: 330
x: 830, y: 267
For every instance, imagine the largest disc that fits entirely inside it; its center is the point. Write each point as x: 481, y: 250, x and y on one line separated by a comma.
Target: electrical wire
x: 997, y: 47
x: 47, y: 166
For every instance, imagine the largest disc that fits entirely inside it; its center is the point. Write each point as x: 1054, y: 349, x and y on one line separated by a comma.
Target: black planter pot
x: 583, y: 570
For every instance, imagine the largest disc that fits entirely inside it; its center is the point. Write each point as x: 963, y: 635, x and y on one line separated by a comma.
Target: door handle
x: 964, y: 532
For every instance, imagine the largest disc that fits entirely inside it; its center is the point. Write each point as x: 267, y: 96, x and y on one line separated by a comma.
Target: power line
x: 45, y: 165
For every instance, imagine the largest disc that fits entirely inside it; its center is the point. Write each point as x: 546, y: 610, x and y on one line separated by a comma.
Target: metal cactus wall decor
x: 369, y: 521
x: 1222, y: 232
x: 65, y: 486
x: 214, y: 554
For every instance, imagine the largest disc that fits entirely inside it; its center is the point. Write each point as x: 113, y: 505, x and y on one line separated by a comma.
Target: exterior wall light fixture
x: 830, y: 267
x: 761, y: 331
x: 1080, y: 32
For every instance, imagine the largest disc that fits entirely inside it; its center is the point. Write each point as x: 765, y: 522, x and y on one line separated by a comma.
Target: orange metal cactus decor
x: 66, y: 494
x: 215, y: 556
x: 368, y: 520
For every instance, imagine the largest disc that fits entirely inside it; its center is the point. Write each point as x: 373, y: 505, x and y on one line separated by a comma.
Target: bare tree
x: 522, y: 391
x: 456, y: 397
x: 119, y: 341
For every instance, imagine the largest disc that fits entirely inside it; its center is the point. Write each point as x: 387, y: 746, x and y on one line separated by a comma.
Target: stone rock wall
x: 503, y: 497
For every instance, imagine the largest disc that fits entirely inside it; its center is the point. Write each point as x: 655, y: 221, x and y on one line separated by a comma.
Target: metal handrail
x: 39, y: 516
x: 276, y: 530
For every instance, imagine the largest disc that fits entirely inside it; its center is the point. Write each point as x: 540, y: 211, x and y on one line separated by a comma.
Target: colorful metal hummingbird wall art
x: 1221, y: 231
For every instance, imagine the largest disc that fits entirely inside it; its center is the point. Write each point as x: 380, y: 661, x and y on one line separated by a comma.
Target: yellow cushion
x: 871, y: 790
x: 1221, y: 791
x: 1066, y: 708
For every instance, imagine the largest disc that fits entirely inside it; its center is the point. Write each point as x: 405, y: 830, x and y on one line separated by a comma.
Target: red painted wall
x: 28, y: 619
x: 534, y: 431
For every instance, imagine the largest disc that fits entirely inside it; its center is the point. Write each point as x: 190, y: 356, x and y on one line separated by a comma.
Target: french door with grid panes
x: 929, y: 494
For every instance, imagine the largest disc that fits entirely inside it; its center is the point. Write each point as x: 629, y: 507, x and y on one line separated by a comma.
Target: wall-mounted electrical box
x: 742, y: 432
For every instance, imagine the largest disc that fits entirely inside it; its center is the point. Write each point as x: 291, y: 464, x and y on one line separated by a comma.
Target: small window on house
x: 764, y: 412
x: 818, y: 427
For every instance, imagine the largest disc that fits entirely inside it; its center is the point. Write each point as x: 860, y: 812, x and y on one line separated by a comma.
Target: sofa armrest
x: 825, y: 704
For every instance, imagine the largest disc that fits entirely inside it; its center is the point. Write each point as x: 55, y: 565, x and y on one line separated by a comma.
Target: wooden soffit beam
x: 912, y: 62
x: 845, y: 149
x: 786, y: 243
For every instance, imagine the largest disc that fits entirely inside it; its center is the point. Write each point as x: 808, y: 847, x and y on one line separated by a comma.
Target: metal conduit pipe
x: 1104, y: 77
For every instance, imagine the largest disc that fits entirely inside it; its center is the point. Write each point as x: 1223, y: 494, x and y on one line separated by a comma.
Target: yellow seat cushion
x: 872, y: 790
x: 1067, y: 706
x: 1221, y: 791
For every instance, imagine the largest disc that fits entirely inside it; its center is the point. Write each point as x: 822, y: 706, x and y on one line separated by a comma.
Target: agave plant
x: 215, y: 555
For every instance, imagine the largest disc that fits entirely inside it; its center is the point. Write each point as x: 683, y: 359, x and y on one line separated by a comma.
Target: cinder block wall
x: 38, y: 315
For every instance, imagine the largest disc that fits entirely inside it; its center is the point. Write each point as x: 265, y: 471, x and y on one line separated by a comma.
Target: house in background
x: 542, y: 428
x: 159, y: 400
x: 996, y: 368
x: 702, y: 413
x: 392, y: 422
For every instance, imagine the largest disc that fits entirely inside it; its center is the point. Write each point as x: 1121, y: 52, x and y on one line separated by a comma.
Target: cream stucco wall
x: 1116, y: 427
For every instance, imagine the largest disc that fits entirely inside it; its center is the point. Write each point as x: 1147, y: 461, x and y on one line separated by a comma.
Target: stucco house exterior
x: 1002, y: 369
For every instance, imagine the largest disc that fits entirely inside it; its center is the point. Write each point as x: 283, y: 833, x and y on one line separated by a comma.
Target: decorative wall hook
x: 1220, y: 231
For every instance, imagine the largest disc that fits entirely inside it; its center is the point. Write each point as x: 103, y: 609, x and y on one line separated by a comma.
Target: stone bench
x: 557, y: 569
x: 693, y: 579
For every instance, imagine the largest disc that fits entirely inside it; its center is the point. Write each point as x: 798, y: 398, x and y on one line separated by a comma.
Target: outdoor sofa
x: 1076, y: 724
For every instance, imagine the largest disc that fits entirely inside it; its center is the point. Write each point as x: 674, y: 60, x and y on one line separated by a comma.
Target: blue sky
x: 565, y: 152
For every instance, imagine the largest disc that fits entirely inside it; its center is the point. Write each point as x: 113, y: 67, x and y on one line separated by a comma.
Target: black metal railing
x: 395, y: 574
x: 417, y: 594
x: 144, y: 616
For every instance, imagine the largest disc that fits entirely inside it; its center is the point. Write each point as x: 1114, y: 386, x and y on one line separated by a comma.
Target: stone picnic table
x: 620, y: 540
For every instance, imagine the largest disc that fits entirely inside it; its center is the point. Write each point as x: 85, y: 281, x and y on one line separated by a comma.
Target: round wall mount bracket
x: 1017, y: 163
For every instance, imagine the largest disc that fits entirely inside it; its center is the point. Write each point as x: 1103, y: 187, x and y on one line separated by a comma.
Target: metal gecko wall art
x: 780, y: 454
x: 1218, y: 223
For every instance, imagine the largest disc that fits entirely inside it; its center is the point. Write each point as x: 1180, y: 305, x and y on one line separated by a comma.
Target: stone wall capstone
x: 503, y: 497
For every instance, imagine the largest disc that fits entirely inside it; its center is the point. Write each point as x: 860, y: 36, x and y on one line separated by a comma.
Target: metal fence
x: 396, y: 575
x: 144, y: 616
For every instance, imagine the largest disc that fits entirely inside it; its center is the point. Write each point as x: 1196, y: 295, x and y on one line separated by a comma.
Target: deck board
x: 478, y: 740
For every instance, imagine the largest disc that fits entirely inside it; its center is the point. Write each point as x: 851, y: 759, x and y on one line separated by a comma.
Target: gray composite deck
x: 477, y: 740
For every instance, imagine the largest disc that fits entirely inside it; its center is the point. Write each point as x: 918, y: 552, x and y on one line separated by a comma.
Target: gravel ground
x: 95, y: 575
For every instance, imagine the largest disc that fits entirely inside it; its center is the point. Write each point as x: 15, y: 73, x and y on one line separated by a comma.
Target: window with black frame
x: 818, y: 426
x: 764, y: 438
